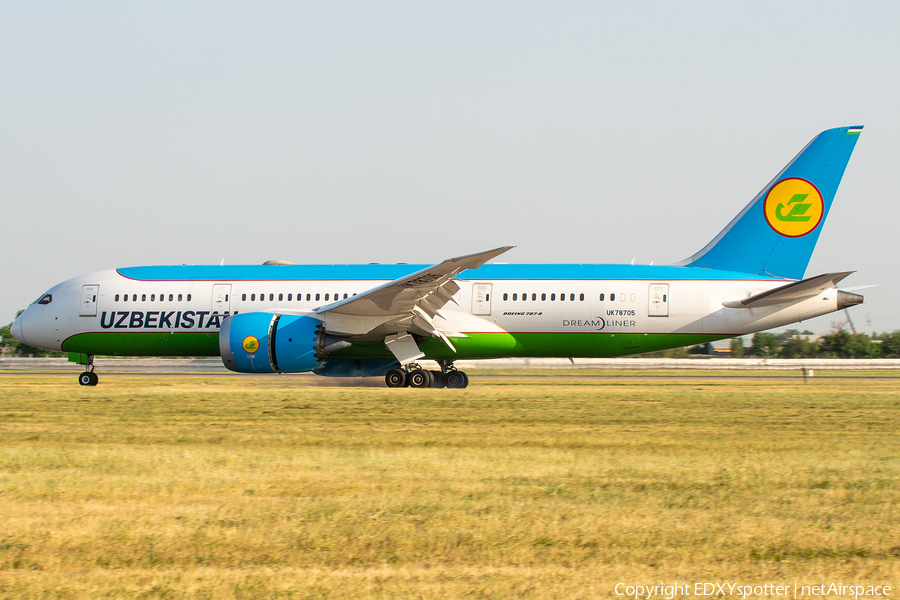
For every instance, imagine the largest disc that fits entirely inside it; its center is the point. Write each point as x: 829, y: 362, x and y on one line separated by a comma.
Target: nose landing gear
x: 88, y: 377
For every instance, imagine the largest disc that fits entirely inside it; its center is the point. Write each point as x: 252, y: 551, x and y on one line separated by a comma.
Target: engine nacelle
x: 260, y: 342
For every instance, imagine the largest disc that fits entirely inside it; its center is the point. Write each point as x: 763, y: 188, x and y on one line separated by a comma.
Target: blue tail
x: 776, y: 233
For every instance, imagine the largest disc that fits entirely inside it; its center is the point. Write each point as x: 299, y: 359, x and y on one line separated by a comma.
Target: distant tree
x: 890, y: 344
x: 766, y: 344
x: 790, y: 333
x: 737, y: 347
x: 799, y: 347
x: 843, y: 344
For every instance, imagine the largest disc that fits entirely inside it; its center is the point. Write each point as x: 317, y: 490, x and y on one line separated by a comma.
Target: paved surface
x: 308, y: 379
x: 214, y: 364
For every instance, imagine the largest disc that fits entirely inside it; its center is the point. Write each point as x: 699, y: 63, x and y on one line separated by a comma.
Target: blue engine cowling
x: 260, y: 342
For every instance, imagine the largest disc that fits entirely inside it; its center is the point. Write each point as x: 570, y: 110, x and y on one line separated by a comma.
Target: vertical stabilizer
x: 776, y: 233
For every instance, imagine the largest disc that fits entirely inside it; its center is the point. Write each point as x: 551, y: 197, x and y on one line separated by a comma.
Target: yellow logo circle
x: 251, y: 344
x: 794, y: 207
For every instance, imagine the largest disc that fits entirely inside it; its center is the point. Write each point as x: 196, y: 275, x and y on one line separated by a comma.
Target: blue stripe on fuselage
x: 390, y: 272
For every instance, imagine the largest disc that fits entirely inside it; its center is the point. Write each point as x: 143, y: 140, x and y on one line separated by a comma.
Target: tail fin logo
x: 794, y: 207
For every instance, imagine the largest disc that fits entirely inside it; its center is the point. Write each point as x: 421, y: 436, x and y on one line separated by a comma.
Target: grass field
x: 233, y: 487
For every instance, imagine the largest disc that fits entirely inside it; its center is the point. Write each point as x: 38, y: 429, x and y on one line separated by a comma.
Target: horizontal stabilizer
x: 792, y: 292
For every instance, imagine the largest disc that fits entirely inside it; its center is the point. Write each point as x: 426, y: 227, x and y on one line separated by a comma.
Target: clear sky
x: 356, y: 132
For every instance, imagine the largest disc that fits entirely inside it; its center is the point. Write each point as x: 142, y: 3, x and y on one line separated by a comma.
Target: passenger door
x: 88, y: 306
x: 659, y: 299
x: 481, y: 299
x: 221, y: 298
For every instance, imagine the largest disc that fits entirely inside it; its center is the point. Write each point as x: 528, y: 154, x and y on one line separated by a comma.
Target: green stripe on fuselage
x: 475, y: 345
x: 150, y: 343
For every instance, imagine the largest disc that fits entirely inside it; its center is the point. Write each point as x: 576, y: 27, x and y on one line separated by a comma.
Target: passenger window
x: 289, y: 297
x: 572, y: 297
x: 271, y: 297
x: 243, y: 297
x: 543, y: 296
x: 152, y: 297
x: 525, y: 296
x: 534, y: 296
x: 252, y: 297
x: 179, y: 297
x: 189, y: 298
x: 515, y: 296
x: 581, y: 297
x: 317, y: 297
x: 552, y: 297
x: 562, y: 297
x: 345, y: 296
x: 612, y: 297
x: 622, y: 297
x: 326, y: 297
x: 143, y: 297
x: 125, y: 298
x: 601, y: 297
x: 134, y: 297
x: 280, y: 297
x: 308, y: 297
x: 505, y: 297
x: 117, y: 297
x: 171, y: 297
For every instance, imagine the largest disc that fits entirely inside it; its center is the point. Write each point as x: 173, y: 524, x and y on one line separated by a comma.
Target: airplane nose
x: 16, y: 329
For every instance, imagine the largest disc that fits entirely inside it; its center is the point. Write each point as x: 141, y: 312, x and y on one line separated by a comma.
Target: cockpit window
x: 46, y: 299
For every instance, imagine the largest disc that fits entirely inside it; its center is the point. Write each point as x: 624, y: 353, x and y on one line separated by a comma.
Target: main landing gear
x: 88, y: 377
x: 416, y: 377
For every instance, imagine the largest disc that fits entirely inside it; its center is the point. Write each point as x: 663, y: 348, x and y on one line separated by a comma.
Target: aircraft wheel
x: 439, y: 381
x: 420, y: 378
x: 88, y: 378
x: 395, y: 378
x: 456, y: 379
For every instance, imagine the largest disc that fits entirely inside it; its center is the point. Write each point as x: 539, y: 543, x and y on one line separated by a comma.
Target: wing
x: 407, y: 305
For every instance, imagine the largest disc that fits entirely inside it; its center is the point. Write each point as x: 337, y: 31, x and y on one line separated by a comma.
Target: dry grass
x: 176, y: 487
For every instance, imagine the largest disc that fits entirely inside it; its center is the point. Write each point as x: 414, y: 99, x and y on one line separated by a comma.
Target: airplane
x: 382, y: 319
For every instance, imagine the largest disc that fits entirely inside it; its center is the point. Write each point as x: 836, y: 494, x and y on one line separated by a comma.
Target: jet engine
x: 260, y: 342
